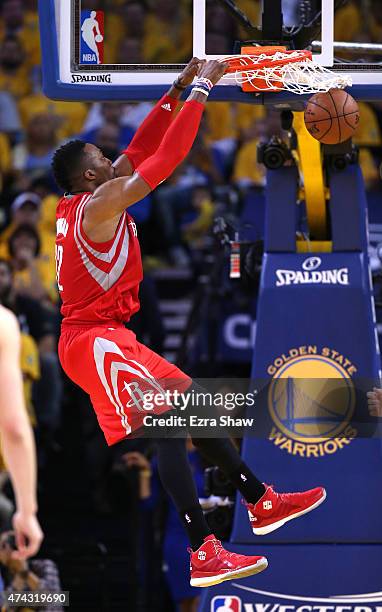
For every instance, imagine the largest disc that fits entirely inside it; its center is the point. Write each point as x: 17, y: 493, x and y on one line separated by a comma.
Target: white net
x: 299, y: 74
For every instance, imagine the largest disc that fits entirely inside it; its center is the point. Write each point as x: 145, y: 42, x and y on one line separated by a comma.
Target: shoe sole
x: 278, y: 524
x: 260, y: 566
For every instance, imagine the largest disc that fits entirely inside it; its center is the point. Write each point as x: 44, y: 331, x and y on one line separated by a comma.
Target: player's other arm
x: 17, y: 438
x: 150, y: 134
x: 112, y: 198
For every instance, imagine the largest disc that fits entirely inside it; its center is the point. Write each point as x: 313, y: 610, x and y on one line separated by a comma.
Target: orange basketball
x: 332, y: 117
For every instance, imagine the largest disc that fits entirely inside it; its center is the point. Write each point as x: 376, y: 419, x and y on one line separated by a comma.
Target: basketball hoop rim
x: 273, y: 69
x: 248, y: 62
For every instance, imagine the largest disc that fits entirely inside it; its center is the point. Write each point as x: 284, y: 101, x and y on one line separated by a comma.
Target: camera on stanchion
x: 274, y: 154
x: 339, y: 157
x: 217, y: 483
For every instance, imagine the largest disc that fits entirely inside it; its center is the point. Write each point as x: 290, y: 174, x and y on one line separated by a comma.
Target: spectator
x: 6, y: 506
x: 9, y: 117
x: 42, y: 187
x: 5, y: 160
x: 247, y: 171
x: 30, y: 368
x: 16, y: 21
x: 31, y: 13
x: 111, y: 113
x: 368, y: 138
x: 375, y: 21
x: 130, y: 51
x: 14, y: 76
x: 30, y: 209
x: 33, y: 318
x: 252, y: 8
x: 24, y: 209
x: 168, y: 37
x: 347, y: 22
x: 34, y: 156
x: 195, y: 231
x: 134, y: 15
x: 33, y: 277
x: 131, y: 116
x: 221, y: 22
x: 27, y: 576
x: 107, y: 138
x: 130, y: 25
x: 70, y: 116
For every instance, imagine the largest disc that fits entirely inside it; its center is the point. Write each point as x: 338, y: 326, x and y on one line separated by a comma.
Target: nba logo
x: 92, y: 37
x: 226, y: 603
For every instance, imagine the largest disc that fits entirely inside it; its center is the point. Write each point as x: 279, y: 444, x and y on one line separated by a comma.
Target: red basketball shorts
x: 118, y: 373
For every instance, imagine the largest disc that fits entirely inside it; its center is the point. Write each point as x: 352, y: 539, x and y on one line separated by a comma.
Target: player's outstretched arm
x: 150, y: 134
x: 17, y: 438
x: 112, y: 198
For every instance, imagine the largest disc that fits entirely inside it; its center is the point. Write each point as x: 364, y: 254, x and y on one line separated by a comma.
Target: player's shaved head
x: 79, y: 166
x: 66, y: 162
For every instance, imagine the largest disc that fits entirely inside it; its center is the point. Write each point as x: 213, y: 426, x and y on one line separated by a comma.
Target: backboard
x: 109, y: 50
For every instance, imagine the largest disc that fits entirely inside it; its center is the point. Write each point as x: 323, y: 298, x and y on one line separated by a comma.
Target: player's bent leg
x: 273, y: 510
x: 267, y: 510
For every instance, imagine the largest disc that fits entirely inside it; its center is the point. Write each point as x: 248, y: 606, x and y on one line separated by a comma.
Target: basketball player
x: 98, y: 272
x: 17, y: 440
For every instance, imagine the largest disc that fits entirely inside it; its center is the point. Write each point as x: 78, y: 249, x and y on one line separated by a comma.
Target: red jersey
x: 98, y: 282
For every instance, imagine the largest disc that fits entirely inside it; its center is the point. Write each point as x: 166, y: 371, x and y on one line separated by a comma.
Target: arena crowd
x: 111, y: 536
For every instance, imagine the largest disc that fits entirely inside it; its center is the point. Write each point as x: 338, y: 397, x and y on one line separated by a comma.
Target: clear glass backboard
x: 98, y: 49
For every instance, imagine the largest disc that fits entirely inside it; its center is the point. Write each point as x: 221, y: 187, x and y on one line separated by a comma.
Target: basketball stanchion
x: 315, y: 354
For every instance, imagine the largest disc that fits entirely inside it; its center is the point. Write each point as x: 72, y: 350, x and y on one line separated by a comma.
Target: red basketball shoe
x: 212, y: 564
x: 273, y: 510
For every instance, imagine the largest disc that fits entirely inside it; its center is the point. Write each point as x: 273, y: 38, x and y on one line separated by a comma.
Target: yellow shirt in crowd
x: 30, y: 367
x: 46, y: 263
x: 70, y: 115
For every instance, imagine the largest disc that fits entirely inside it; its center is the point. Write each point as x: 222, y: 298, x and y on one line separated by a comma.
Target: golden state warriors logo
x: 311, y: 401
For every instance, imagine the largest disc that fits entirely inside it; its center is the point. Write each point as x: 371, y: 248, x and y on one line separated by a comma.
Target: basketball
x: 332, y: 117
x: 99, y: 38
